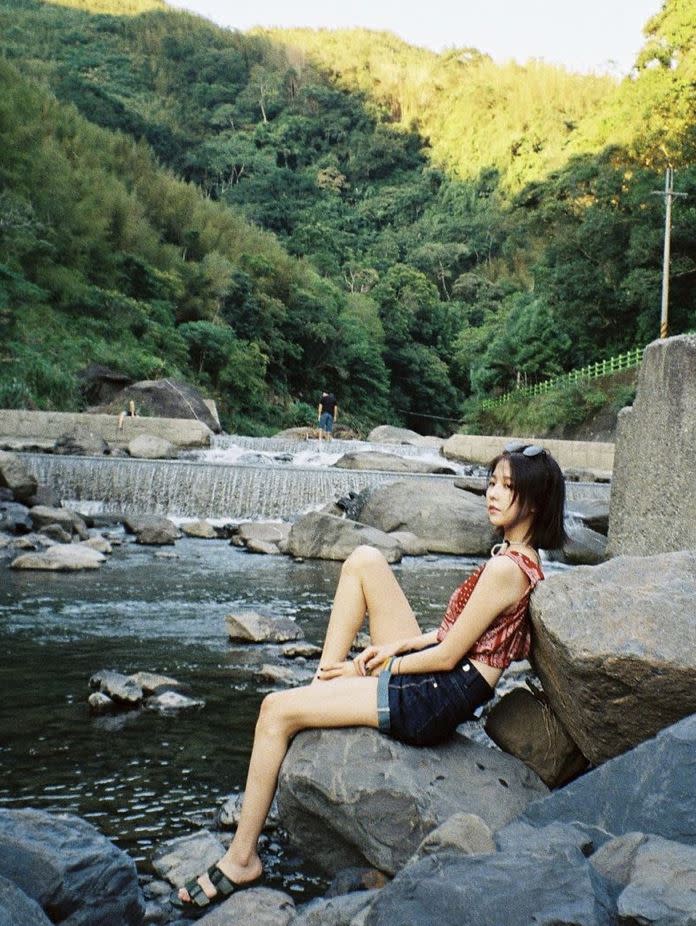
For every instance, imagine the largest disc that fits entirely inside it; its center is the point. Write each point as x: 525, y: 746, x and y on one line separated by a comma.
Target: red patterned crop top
x: 508, y: 638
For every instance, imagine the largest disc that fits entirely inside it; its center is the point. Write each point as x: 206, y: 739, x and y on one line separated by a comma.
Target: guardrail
x: 631, y: 358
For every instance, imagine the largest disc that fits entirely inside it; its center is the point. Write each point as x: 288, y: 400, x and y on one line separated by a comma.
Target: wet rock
x: 290, y: 676
x: 71, y: 522
x: 334, y: 911
x: 120, y: 688
x: 656, y: 436
x: 261, y: 906
x: 356, y: 796
x: 251, y: 627
x: 99, y: 543
x: 389, y: 462
x: 447, y: 520
x: 152, y: 683
x: 16, y: 477
x: 63, y: 557
x: 202, y: 529
x: 654, y: 878
x: 301, y: 651
x: 33, y: 542
x: 324, y: 536
x: 275, y: 532
x: 16, y: 909
x: 648, y: 790
x: 179, y: 860
x: 263, y: 546
x: 517, y: 888
x: 100, y: 703
x: 229, y: 812
x: 588, y: 474
x: 150, y: 447
x: 14, y: 518
x: 593, y: 512
x: 585, y: 547
x: 69, y: 869
x: 56, y: 532
x: 152, y: 530
x: 167, y: 701
x: 615, y: 648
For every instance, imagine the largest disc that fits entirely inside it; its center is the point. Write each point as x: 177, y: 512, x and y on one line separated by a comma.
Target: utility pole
x: 669, y: 195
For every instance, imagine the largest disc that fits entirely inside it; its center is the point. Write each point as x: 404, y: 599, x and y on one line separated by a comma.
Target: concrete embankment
x: 20, y: 428
x: 592, y: 456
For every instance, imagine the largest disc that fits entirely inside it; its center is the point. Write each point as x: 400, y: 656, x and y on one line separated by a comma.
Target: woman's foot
x: 220, y: 881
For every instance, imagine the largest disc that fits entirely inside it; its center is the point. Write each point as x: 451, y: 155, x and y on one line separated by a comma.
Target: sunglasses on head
x: 531, y: 450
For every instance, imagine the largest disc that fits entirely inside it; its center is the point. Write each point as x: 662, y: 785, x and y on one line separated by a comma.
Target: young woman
x: 415, y: 686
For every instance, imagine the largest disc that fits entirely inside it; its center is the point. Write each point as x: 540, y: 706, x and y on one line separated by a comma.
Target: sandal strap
x: 196, y: 893
x: 221, y: 882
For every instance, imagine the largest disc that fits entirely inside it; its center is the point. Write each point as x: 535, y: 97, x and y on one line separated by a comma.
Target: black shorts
x: 425, y: 708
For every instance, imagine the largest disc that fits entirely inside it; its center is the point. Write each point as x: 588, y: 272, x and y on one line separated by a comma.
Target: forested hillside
x: 268, y: 214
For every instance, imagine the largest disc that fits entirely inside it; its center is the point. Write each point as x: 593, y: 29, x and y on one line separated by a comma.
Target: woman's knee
x: 364, y: 557
x: 271, y: 713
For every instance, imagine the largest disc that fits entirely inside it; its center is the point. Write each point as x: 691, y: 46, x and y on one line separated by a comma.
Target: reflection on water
x: 143, y: 777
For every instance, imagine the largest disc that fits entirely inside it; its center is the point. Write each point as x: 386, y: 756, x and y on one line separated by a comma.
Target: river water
x: 143, y: 777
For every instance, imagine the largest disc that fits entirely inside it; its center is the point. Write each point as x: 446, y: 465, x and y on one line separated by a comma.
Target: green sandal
x: 200, y: 901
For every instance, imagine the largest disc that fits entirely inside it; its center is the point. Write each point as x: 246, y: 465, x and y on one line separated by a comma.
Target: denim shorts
x: 326, y: 422
x: 424, y: 709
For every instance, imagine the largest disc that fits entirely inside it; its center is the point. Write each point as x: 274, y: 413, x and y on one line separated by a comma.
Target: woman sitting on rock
x: 417, y: 687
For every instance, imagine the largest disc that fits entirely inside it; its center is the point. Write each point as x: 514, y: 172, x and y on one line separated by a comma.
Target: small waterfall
x: 200, y: 487
x: 190, y: 489
x: 334, y: 447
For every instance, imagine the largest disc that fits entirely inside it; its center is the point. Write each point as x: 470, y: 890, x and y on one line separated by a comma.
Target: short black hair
x: 539, y: 487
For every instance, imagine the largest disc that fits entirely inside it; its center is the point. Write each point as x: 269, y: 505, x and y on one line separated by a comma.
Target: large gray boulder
x: 653, y: 503
x: 649, y: 789
x: 16, y: 909
x: 655, y: 879
x: 390, y: 463
x: 615, y: 648
x: 70, y: 521
x: 355, y: 795
x: 62, y: 557
x: 447, y: 519
x: 166, y: 398
x: 152, y: 529
x: 73, y: 872
x: 252, y: 627
x: 318, y: 535
x: 388, y: 434
x: 511, y: 888
x: 16, y: 477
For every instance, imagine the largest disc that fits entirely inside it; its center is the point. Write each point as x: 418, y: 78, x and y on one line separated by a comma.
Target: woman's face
x: 503, y: 508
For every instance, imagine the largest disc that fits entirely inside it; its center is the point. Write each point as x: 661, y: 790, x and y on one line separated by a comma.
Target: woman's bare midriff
x: 490, y: 673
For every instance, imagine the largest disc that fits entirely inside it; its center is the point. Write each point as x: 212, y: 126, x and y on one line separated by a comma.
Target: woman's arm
x: 500, y: 585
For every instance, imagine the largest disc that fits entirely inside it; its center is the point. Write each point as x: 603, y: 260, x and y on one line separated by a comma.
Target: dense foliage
x: 269, y: 214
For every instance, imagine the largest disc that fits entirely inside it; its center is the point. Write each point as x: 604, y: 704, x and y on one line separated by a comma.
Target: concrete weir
x: 20, y: 428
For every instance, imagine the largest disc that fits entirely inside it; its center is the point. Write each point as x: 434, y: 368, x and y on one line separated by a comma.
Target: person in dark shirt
x: 327, y: 413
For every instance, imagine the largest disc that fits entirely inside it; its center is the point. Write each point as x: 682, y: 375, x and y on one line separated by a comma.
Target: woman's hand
x: 370, y: 661
x: 347, y: 669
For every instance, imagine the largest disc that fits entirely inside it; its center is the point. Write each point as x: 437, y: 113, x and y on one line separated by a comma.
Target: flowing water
x: 142, y: 777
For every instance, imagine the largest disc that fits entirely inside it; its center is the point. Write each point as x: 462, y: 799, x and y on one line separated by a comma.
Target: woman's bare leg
x: 342, y: 702
x: 367, y: 584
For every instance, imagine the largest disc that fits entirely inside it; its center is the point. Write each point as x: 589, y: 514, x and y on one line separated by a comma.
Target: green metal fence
x: 631, y: 358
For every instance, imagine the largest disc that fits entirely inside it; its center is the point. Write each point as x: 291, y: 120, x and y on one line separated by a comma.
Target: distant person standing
x: 130, y: 412
x: 327, y: 412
